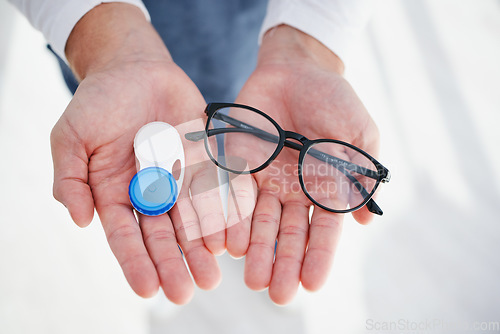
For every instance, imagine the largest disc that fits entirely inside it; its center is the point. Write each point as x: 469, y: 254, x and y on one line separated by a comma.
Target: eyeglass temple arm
x: 334, y: 161
x: 198, y: 135
x: 243, y: 127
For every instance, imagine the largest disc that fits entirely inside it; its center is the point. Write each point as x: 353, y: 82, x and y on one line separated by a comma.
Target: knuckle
x: 328, y: 223
x: 167, y: 262
x: 160, y: 236
x: 323, y: 250
x: 122, y: 232
x: 266, y: 219
x: 186, y: 226
x: 263, y: 245
x: 289, y: 258
x: 293, y: 230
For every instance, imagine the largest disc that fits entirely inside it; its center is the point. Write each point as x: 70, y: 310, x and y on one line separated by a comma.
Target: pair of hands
x: 128, y: 80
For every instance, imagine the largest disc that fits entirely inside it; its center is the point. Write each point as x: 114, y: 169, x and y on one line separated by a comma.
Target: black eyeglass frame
x: 381, y: 176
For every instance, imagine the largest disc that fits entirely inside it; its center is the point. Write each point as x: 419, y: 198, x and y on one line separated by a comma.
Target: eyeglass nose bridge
x: 296, y: 136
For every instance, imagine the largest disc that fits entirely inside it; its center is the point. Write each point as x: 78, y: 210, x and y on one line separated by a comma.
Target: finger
x: 292, y: 241
x: 324, y: 234
x: 202, y: 179
x: 201, y: 261
x: 241, y: 203
x: 363, y: 216
x: 207, y: 203
x: 125, y: 240
x: 260, y: 254
x: 161, y: 243
x: 71, y: 176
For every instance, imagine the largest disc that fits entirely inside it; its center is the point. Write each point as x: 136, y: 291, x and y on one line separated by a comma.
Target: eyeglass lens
x: 242, y: 149
x: 337, y: 176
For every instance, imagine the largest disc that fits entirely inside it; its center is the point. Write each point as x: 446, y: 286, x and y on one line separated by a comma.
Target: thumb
x: 71, y: 174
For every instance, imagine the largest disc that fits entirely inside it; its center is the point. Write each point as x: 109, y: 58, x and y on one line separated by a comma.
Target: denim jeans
x: 213, y: 41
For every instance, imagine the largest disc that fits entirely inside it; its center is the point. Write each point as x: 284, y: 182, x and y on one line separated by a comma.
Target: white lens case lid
x: 158, y: 144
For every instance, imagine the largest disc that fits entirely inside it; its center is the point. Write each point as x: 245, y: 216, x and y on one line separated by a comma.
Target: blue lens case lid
x: 153, y: 191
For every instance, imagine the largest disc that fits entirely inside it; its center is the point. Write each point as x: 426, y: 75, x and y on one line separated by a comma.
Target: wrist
x: 112, y: 34
x: 285, y: 45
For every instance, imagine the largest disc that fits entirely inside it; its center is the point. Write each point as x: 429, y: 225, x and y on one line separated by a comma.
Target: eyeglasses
x: 334, y: 175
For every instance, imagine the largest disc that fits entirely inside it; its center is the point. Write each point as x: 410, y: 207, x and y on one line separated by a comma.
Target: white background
x: 428, y: 71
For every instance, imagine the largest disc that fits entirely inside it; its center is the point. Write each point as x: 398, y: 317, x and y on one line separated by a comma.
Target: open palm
x: 92, y: 147
x: 317, y: 103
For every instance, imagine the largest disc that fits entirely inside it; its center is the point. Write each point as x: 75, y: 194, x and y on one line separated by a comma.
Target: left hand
x: 299, y: 83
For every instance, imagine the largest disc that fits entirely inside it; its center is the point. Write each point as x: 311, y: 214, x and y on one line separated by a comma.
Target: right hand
x: 128, y: 80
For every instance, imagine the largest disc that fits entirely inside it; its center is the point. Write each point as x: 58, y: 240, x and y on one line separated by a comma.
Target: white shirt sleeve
x: 335, y: 23
x: 57, y: 18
